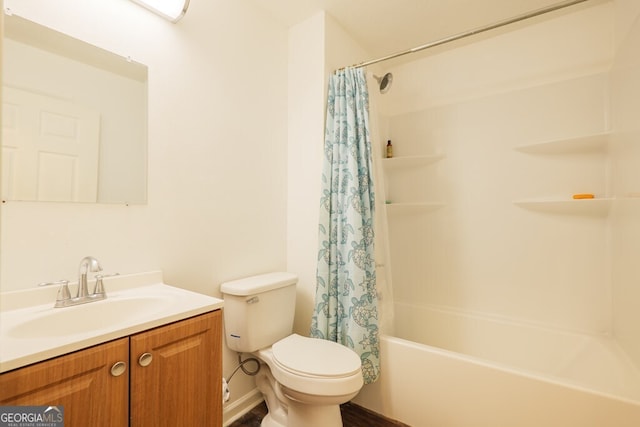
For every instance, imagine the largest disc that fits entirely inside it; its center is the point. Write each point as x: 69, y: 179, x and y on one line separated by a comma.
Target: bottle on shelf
x: 389, y: 149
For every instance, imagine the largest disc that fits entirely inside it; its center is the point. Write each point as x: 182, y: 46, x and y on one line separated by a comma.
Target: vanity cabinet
x: 173, y: 377
x: 176, y: 374
x: 81, y: 382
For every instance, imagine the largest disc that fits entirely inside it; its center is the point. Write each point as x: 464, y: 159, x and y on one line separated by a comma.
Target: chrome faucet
x: 87, y: 264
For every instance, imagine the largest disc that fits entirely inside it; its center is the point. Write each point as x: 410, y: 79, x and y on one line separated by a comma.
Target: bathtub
x: 493, y: 372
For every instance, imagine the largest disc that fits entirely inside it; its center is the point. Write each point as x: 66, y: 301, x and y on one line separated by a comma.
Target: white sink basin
x: 32, y: 330
x: 89, y: 317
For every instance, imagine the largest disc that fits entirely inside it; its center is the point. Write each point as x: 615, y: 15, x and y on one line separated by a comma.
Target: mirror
x: 74, y: 122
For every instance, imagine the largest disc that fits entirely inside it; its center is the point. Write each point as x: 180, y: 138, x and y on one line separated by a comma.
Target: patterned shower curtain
x: 346, y: 303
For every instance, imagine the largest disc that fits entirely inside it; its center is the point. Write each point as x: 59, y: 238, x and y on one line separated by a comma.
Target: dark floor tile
x: 252, y: 418
x: 352, y: 416
x: 356, y: 416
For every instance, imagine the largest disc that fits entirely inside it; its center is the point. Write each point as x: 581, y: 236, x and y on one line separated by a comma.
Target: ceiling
x: 384, y: 27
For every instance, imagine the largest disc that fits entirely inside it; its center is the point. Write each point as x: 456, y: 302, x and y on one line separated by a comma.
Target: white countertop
x: 31, y: 330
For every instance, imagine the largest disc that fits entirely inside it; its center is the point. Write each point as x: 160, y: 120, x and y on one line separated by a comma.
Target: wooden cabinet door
x: 81, y: 382
x: 180, y: 384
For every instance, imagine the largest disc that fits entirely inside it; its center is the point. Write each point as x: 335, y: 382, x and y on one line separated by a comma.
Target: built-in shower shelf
x: 593, y: 207
x: 581, y: 144
x: 411, y: 161
x: 404, y: 208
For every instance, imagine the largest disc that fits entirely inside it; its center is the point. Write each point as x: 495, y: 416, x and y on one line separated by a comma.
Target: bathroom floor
x: 352, y: 416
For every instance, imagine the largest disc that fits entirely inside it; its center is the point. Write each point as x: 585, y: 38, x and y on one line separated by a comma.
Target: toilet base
x: 276, y: 408
x: 305, y: 415
x: 289, y: 408
x: 268, y: 421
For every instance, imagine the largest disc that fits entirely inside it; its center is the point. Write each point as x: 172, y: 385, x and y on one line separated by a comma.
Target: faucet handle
x: 99, y: 287
x: 63, y: 292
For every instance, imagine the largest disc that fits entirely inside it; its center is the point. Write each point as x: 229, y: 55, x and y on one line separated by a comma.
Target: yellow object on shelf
x: 583, y: 196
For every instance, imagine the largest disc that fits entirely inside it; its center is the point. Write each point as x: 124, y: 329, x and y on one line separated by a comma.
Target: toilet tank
x: 258, y: 310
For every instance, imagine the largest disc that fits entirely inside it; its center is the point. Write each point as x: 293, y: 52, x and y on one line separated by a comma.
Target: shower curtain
x: 346, y: 301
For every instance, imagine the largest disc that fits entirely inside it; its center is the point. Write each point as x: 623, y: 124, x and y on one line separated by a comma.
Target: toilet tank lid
x: 260, y: 283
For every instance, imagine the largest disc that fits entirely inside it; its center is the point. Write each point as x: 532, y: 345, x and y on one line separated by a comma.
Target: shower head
x: 384, y: 82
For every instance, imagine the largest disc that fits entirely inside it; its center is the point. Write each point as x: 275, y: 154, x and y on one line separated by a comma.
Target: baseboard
x: 236, y: 409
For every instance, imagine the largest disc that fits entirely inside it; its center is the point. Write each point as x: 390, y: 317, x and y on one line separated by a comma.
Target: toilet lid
x: 316, y: 357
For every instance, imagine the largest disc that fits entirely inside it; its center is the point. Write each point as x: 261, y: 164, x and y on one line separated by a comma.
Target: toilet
x: 303, y: 380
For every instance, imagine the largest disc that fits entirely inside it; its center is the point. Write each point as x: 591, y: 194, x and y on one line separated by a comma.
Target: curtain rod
x: 465, y: 34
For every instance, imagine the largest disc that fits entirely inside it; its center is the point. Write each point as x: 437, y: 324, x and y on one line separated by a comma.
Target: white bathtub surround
x: 625, y: 176
x: 511, y: 299
x: 489, y: 230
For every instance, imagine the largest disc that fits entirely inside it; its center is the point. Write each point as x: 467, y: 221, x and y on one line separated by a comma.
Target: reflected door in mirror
x: 50, y: 148
x: 57, y: 90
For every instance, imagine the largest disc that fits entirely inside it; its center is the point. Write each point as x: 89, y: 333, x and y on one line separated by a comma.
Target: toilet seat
x: 310, y: 366
x: 315, y: 358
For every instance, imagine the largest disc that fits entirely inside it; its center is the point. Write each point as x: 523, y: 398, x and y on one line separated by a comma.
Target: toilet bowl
x: 303, y: 380
x: 309, y: 379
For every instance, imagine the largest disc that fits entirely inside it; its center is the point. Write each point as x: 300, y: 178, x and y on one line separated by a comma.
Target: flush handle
x: 118, y: 368
x: 145, y: 359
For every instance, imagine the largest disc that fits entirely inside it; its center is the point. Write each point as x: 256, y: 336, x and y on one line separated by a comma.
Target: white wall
x: 306, y: 130
x: 625, y: 99
x: 317, y: 46
x: 217, y: 154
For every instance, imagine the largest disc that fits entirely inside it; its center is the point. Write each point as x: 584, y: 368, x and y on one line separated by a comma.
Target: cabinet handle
x: 145, y: 359
x: 118, y: 369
